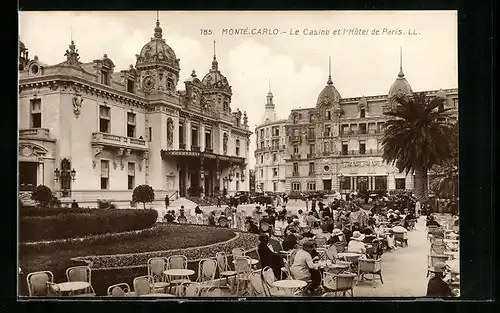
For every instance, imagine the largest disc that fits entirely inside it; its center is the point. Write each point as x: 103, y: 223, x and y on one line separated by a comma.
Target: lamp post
x: 65, y: 176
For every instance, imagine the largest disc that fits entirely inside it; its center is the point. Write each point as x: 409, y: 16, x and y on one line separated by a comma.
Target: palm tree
x: 416, y: 137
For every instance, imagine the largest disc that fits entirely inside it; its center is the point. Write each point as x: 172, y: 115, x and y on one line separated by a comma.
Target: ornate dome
x: 214, y: 78
x: 157, y: 52
x: 401, y: 85
x: 329, y: 95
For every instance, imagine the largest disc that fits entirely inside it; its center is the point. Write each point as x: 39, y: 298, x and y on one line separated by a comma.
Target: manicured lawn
x: 170, y: 237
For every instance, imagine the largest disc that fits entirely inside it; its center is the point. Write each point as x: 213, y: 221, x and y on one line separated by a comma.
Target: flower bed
x: 41, y: 224
x: 246, y: 241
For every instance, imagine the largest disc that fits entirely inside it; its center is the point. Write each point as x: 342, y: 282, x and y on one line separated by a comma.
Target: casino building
x: 334, y: 145
x: 90, y: 132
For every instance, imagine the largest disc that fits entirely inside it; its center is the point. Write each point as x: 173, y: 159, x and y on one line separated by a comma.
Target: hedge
x: 82, y: 222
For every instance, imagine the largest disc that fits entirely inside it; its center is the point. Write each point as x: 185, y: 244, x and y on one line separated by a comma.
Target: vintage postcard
x: 184, y: 154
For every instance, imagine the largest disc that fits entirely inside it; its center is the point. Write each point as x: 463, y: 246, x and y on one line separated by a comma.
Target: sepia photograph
x: 238, y: 154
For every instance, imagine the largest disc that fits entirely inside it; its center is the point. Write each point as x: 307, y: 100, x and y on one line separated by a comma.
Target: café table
x: 157, y: 295
x: 251, y: 261
x: 289, y: 286
x: 178, y: 273
x: 72, y: 286
x: 335, y: 268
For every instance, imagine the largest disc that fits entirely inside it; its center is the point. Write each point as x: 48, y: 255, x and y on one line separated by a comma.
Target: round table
x: 348, y: 255
x: 289, y: 285
x: 178, y: 272
x: 251, y: 261
x: 71, y: 286
x: 157, y: 295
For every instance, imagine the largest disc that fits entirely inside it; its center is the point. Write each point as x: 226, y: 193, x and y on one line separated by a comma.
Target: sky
x: 292, y: 62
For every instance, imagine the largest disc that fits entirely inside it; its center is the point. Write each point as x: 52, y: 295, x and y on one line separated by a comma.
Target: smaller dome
x: 328, y: 95
x: 214, y: 78
x: 441, y: 94
x: 400, y: 86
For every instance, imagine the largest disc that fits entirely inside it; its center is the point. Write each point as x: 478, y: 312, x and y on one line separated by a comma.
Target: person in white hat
x: 337, y: 236
x: 356, y: 244
x: 437, y: 287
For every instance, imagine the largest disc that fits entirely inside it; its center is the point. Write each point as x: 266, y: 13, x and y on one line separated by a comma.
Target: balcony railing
x: 294, y: 138
x: 366, y: 152
x: 182, y: 146
x: 209, y: 150
x: 311, y: 136
x: 115, y: 140
x: 326, y: 153
x: 42, y: 133
x: 310, y: 155
x: 295, y: 156
x: 361, y: 132
x: 295, y: 174
x: 327, y: 134
x: 312, y: 173
x: 195, y: 148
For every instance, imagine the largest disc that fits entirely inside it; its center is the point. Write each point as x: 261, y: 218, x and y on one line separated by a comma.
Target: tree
x: 43, y: 195
x: 445, y: 174
x: 416, y: 138
x: 143, y: 193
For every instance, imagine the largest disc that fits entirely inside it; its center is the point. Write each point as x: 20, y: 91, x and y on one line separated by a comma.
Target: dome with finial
x: 214, y: 78
x: 157, y: 52
x: 401, y: 85
x: 329, y: 94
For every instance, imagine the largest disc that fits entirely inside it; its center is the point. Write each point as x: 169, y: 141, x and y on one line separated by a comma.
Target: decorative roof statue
x: 245, y: 118
x: 72, y: 56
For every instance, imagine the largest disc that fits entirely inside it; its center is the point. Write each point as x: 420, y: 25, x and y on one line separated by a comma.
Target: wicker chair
x: 39, y: 282
x: 256, y: 284
x: 177, y: 262
x: 224, y: 269
x: 81, y: 273
x: 119, y: 290
x: 156, y: 269
x: 243, y: 269
x: 401, y: 239
x: 370, y: 266
x: 438, y: 249
x: 338, y: 283
x: 190, y: 289
x: 143, y: 285
x: 206, y: 273
x: 433, y: 259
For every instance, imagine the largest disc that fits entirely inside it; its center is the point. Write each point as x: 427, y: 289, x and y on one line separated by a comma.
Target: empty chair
x: 331, y: 254
x: 338, y: 283
x: 370, y: 266
x: 224, y: 270
x: 256, y: 284
x: 243, y: 269
x: 190, y: 289
x: 237, y: 252
x: 206, y: 272
x: 119, y: 290
x: 438, y: 249
x: 156, y: 269
x: 38, y: 283
x: 81, y: 273
x: 214, y: 292
x: 143, y: 285
x: 177, y: 262
x: 268, y: 278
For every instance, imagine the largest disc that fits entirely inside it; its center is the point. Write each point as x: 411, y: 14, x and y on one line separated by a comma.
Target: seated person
x: 432, y: 222
x: 356, y: 244
x: 268, y: 257
x: 289, y: 242
x: 169, y: 217
x: 437, y: 287
x: 303, y: 267
x: 328, y: 223
x: 250, y: 226
x: 307, y: 232
x: 324, y: 233
x: 337, y: 236
x: 310, y: 219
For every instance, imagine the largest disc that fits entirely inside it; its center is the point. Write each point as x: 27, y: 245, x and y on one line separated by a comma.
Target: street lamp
x: 73, y: 174
x: 57, y: 174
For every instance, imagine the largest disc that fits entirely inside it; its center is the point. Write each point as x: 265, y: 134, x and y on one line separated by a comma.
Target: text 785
x: 205, y: 32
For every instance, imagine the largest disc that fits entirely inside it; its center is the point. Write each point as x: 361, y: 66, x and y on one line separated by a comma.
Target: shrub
x: 64, y: 223
x: 43, y: 195
x: 105, y: 204
x: 143, y: 193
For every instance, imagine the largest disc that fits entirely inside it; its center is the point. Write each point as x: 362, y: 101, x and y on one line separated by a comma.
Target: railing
x: 175, y: 194
x: 35, y: 132
x: 326, y: 153
x: 311, y: 136
x: 295, y: 156
x: 195, y: 148
x: 361, y: 132
x: 310, y: 155
x: 294, y: 138
x: 110, y: 138
x: 295, y: 174
x: 327, y: 134
x: 209, y: 150
x: 182, y: 146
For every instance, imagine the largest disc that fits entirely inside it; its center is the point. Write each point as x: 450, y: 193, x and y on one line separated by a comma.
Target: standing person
x: 198, y: 215
x: 285, y: 198
x: 417, y: 208
x: 218, y: 201
x: 307, y: 203
x: 313, y: 204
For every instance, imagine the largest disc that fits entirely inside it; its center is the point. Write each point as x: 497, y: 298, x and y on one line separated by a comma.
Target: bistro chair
x: 177, y: 262
x: 370, y: 266
x: 430, y: 230
x: 206, y: 272
x: 143, y: 285
x: 285, y: 270
x: 38, y: 283
x: 119, y: 290
x: 268, y: 279
x: 331, y: 254
x: 190, y: 289
x: 400, y: 238
x: 243, y: 269
x: 81, y: 273
x: 256, y: 284
x: 276, y: 244
x: 411, y: 224
x: 433, y: 259
x: 338, y: 283
x: 214, y: 292
x: 224, y: 269
x: 438, y: 249
x: 156, y: 269
x: 237, y: 252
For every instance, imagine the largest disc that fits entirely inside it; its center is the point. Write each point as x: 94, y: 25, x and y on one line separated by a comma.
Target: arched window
x: 296, y: 119
x: 311, y: 118
x: 170, y: 84
x: 362, y: 112
x: 295, y: 186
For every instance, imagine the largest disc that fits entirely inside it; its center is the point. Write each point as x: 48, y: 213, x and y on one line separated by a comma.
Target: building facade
x: 89, y: 132
x: 336, y: 145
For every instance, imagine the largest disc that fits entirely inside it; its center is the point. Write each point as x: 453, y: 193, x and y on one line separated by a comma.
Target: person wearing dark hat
x: 268, y: 257
x: 437, y: 287
x: 328, y: 223
x: 169, y: 217
x: 290, y: 240
x: 307, y: 232
x: 303, y: 267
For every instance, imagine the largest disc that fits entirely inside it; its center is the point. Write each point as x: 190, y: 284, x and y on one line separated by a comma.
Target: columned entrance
x: 28, y: 175
x: 182, y: 183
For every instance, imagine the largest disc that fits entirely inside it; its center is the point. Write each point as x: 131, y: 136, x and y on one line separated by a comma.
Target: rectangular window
x: 262, y: 144
x: 267, y: 132
x: 328, y: 115
x: 295, y: 167
x: 181, y: 134
x: 362, y: 128
x: 362, y: 148
x: 276, y: 143
x: 295, y: 149
x: 345, y: 183
x: 275, y: 186
x: 150, y: 134
x: 130, y: 85
x: 311, y: 186
x: 261, y: 173
x: 104, y: 77
x: 455, y: 102
x: 345, y: 129
x: 131, y: 176
x: 311, y: 168
x: 104, y: 174
x: 276, y: 131
x: 237, y: 185
x: 296, y: 186
x: 130, y: 124
x: 400, y: 183
x: 312, y: 149
x: 36, y: 113
x: 275, y: 157
x: 261, y: 159
x: 275, y: 172
x: 380, y: 182
x: 296, y: 132
x: 328, y: 131
x: 194, y: 136
x: 261, y: 134
x: 362, y: 113
x: 344, y: 148
x: 104, y: 119
x: 208, y: 139
x: 237, y: 147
